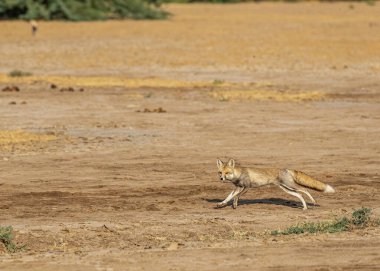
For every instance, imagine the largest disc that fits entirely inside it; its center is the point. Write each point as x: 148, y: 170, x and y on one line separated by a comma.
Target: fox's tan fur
x: 307, y: 181
x: 291, y: 181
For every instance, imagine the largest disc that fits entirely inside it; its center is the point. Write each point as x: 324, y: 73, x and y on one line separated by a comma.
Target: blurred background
x: 241, y: 42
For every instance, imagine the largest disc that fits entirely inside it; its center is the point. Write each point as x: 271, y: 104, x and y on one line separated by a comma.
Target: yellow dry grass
x: 264, y: 95
x: 220, y: 88
x: 102, y: 81
x: 11, y: 139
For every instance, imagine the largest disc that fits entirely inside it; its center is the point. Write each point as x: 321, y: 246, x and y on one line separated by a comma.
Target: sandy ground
x: 122, y: 175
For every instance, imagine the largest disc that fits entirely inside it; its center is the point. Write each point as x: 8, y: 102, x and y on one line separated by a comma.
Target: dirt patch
x: 155, y: 110
x: 116, y: 182
x: 10, y: 89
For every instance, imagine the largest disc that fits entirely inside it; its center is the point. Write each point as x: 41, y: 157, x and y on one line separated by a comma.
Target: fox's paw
x: 221, y: 205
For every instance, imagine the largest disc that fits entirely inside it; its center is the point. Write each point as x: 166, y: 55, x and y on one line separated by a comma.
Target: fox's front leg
x: 241, y: 192
x: 229, y: 197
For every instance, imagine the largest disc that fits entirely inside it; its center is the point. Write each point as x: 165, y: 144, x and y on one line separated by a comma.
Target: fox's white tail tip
x: 329, y: 189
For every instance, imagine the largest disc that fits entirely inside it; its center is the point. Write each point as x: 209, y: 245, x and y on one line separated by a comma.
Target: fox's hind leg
x: 294, y: 193
x: 287, y: 181
x: 308, y: 194
x: 237, y: 197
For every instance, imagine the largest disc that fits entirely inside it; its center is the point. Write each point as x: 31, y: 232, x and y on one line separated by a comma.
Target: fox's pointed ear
x: 219, y: 164
x: 231, y: 163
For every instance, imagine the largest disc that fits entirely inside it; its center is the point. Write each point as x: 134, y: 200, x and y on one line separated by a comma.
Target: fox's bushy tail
x: 309, y: 182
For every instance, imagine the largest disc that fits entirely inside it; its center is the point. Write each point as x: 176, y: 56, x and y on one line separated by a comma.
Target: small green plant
x: 224, y: 98
x: 6, y: 237
x: 148, y: 95
x: 18, y: 73
x: 217, y: 82
x: 361, y: 218
x: 314, y: 227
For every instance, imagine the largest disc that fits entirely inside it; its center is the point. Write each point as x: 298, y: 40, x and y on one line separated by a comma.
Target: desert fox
x: 291, y: 181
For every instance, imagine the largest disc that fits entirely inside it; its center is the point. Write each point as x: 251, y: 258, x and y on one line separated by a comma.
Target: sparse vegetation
x: 217, y: 82
x: 6, y: 237
x: 13, y: 140
x: 148, y: 95
x: 265, y: 95
x: 18, y: 73
x: 361, y: 218
x: 224, y: 99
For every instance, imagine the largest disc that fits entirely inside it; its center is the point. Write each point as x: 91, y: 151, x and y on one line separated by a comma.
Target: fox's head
x: 226, y: 171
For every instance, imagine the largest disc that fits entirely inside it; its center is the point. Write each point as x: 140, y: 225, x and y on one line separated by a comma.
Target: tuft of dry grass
x: 104, y: 81
x: 265, y: 95
x: 19, y: 73
x: 8, y: 139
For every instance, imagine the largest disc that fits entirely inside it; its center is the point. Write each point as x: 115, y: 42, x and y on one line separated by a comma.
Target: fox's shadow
x: 274, y: 201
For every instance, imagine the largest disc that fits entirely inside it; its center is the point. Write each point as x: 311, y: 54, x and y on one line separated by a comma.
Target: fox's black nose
x: 221, y: 178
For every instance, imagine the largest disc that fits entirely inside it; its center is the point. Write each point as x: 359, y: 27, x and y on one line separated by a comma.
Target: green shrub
x: 361, y: 218
x: 79, y: 10
x: 18, y: 73
x: 6, y: 237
